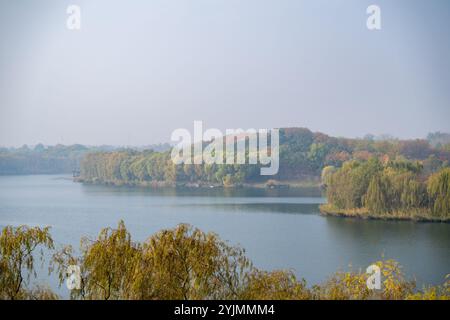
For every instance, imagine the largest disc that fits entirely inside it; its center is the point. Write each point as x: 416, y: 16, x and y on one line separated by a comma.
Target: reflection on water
x: 272, y: 207
x: 208, y: 192
x: 280, y: 229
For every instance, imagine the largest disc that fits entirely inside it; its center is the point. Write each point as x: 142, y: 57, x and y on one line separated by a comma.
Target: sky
x: 138, y: 70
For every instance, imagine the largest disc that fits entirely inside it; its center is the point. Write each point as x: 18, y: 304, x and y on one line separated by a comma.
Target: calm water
x: 278, y: 229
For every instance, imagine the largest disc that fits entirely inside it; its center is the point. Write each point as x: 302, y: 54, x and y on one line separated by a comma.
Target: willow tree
x: 186, y: 263
x: 352, y: 285
x: 107, y: 265
x: 376, y: 198
x: 347, y: 186
x: 439, y: 193
x: 17, y: 260
x: 275, y: 285
x: 180, y: 263
x: 327, y: 172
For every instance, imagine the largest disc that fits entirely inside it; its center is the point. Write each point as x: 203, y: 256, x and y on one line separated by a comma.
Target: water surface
x: 279, y: 229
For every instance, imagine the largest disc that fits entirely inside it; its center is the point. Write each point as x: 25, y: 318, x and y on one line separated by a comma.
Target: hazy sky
x: 137, y: 70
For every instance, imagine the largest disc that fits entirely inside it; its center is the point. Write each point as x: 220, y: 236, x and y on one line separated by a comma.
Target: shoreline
x: 280, y: 185
x: 363, y: 214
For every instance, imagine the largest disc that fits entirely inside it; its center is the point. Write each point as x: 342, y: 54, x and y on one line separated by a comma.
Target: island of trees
x: 179, y: 263
x: 387, y: 189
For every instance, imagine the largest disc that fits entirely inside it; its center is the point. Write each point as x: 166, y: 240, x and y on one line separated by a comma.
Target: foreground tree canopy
x: 180, y: 263
x: 17, y: 261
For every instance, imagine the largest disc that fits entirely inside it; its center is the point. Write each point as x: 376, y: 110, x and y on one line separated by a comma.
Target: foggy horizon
x: 136, y: 72
x: 380, y: 137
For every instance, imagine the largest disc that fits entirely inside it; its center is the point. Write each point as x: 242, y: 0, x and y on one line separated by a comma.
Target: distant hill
x: 303, y: 155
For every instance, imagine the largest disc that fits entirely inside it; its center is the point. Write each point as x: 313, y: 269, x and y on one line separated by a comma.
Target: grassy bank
x: 421, y: 215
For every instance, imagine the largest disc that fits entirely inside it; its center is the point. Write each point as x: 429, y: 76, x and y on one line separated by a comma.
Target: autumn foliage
x: 179, y: 263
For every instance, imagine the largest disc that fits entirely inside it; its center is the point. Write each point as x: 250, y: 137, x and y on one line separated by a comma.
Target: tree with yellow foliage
x: 17, y: 261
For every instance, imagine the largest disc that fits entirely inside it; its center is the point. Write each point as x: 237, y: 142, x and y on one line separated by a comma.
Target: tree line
x: 40, y: 159
x: 303, y: 154
x: 58, y: 159
x: 178, y: 263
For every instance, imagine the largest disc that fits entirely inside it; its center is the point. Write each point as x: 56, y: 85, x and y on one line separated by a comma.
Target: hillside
x: 303, y: 155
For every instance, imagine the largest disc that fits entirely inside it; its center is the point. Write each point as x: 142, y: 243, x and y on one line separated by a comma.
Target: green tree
x: 439, y: 192
x: 182, y: 263
x: 17, y: 260
x: 376, y: 199
x: 327, y: 172
x: 108, y: 265
x: 275, y: 285
x: 185, y: 263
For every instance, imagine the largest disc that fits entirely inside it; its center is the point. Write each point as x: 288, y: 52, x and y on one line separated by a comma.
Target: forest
x: 303, y: 155
x: 179, y: 263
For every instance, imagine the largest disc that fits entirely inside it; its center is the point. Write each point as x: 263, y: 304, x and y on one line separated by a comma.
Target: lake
x: 280, y: 229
